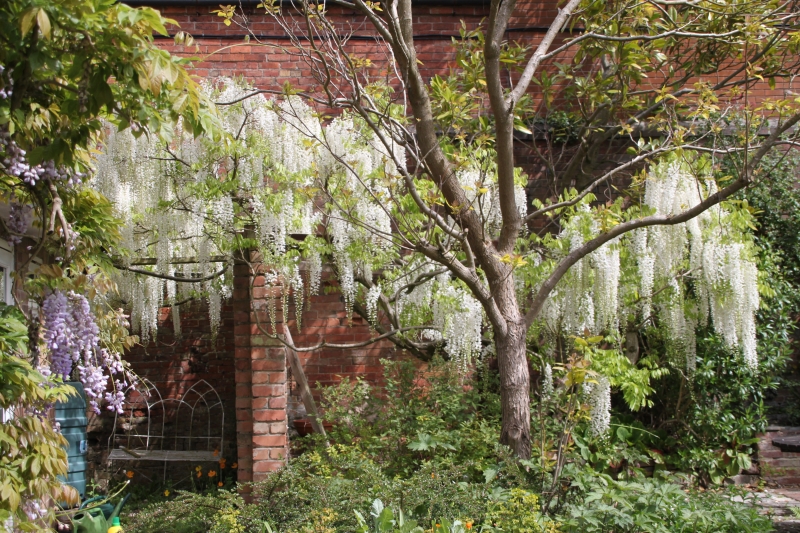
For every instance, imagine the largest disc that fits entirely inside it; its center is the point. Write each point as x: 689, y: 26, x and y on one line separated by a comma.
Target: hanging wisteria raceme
x: 704, y: 253
x: 547, y: 381
x: 19, y: 220
x: 458, y: 318
x: 598, y: 397
x: 732, y: 296
x: 72, y: 339
x: 571, y: 307
x: 57, y: 313
x: 373, y: 295
x: 16, y: 165
x: 606, y: 287
x: 645, y: 262
x: 314, y: 272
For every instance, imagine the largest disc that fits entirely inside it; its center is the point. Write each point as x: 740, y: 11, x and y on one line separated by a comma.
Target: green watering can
x: 96, y: 519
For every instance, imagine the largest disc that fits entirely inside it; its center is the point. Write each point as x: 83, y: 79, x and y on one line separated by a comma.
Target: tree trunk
x: 514, y: 389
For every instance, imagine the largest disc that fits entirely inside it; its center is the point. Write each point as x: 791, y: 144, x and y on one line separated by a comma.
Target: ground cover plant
x: 415, y: 449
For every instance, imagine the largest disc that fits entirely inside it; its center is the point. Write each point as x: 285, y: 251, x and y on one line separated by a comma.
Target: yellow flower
x: 166, y: 493
x: 198, y: 468
x: 219, y: 484
x: 129, y: 473
x: 212, y: 473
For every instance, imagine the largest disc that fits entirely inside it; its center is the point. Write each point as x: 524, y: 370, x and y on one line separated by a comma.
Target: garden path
x: 779, y: 503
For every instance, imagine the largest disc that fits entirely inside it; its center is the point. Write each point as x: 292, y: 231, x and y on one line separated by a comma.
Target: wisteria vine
x: 72, y: 338
x: 331, y: 182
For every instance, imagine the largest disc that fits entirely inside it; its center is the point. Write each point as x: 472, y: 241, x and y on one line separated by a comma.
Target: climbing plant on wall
x: 306, y: 189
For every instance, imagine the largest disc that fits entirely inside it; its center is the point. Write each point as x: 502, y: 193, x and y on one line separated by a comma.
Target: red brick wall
x: 260, y: 382
x: 175, y: 364
x: 270, y: 67
x: 324, y: 319
x: 222, y: 51
x: 248, y: 367
x: 262, y: 386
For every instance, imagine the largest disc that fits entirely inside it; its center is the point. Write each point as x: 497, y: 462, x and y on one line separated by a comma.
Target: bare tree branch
x: 172, y: 278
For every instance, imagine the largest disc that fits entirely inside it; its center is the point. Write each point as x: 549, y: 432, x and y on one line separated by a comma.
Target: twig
x: 173, y: 278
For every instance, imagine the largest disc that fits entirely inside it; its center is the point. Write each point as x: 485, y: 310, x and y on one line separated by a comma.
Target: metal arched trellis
x: 155, y: 428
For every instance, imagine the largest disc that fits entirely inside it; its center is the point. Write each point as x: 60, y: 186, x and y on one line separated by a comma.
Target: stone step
x: 788, y: 443
x: 786, y: 525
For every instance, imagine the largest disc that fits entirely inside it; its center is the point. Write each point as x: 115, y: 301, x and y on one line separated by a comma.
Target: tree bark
x: 512, y: 361
x: 514, y: 389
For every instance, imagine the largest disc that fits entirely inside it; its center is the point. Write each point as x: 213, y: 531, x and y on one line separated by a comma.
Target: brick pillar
x: 244, y: 370
x: 260, y: 378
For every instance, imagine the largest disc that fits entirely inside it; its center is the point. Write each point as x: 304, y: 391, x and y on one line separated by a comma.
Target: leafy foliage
x: 706, y: 421
x: 69, y: 62
x: 517, y: 511
x: 32, y: 452
x: 654, y: 505
x: 417, y: 416
x: 406, y: 457
x: 322, y: 491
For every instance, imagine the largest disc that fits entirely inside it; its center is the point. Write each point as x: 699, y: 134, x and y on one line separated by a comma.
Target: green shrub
x: 305, y: 500
x: 435, y: 415
x: 188, y: 512
x: 708, y: 421
x: 345, y: 480
x: 517, y: 511
x: 654, y: 505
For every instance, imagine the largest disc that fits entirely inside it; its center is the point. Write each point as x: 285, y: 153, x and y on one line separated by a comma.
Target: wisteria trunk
x: 514, y: 389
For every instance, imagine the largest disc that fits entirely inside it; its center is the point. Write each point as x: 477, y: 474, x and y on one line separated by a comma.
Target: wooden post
x: 302, y: 383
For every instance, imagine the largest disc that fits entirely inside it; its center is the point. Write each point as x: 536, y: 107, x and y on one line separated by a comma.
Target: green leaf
x: 423, y: 443
x: 27, y: 20
x: 44, y: 23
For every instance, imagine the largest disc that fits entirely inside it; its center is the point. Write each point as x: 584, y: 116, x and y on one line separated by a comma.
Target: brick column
x: 244, y: 370
x: 260, y: 379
